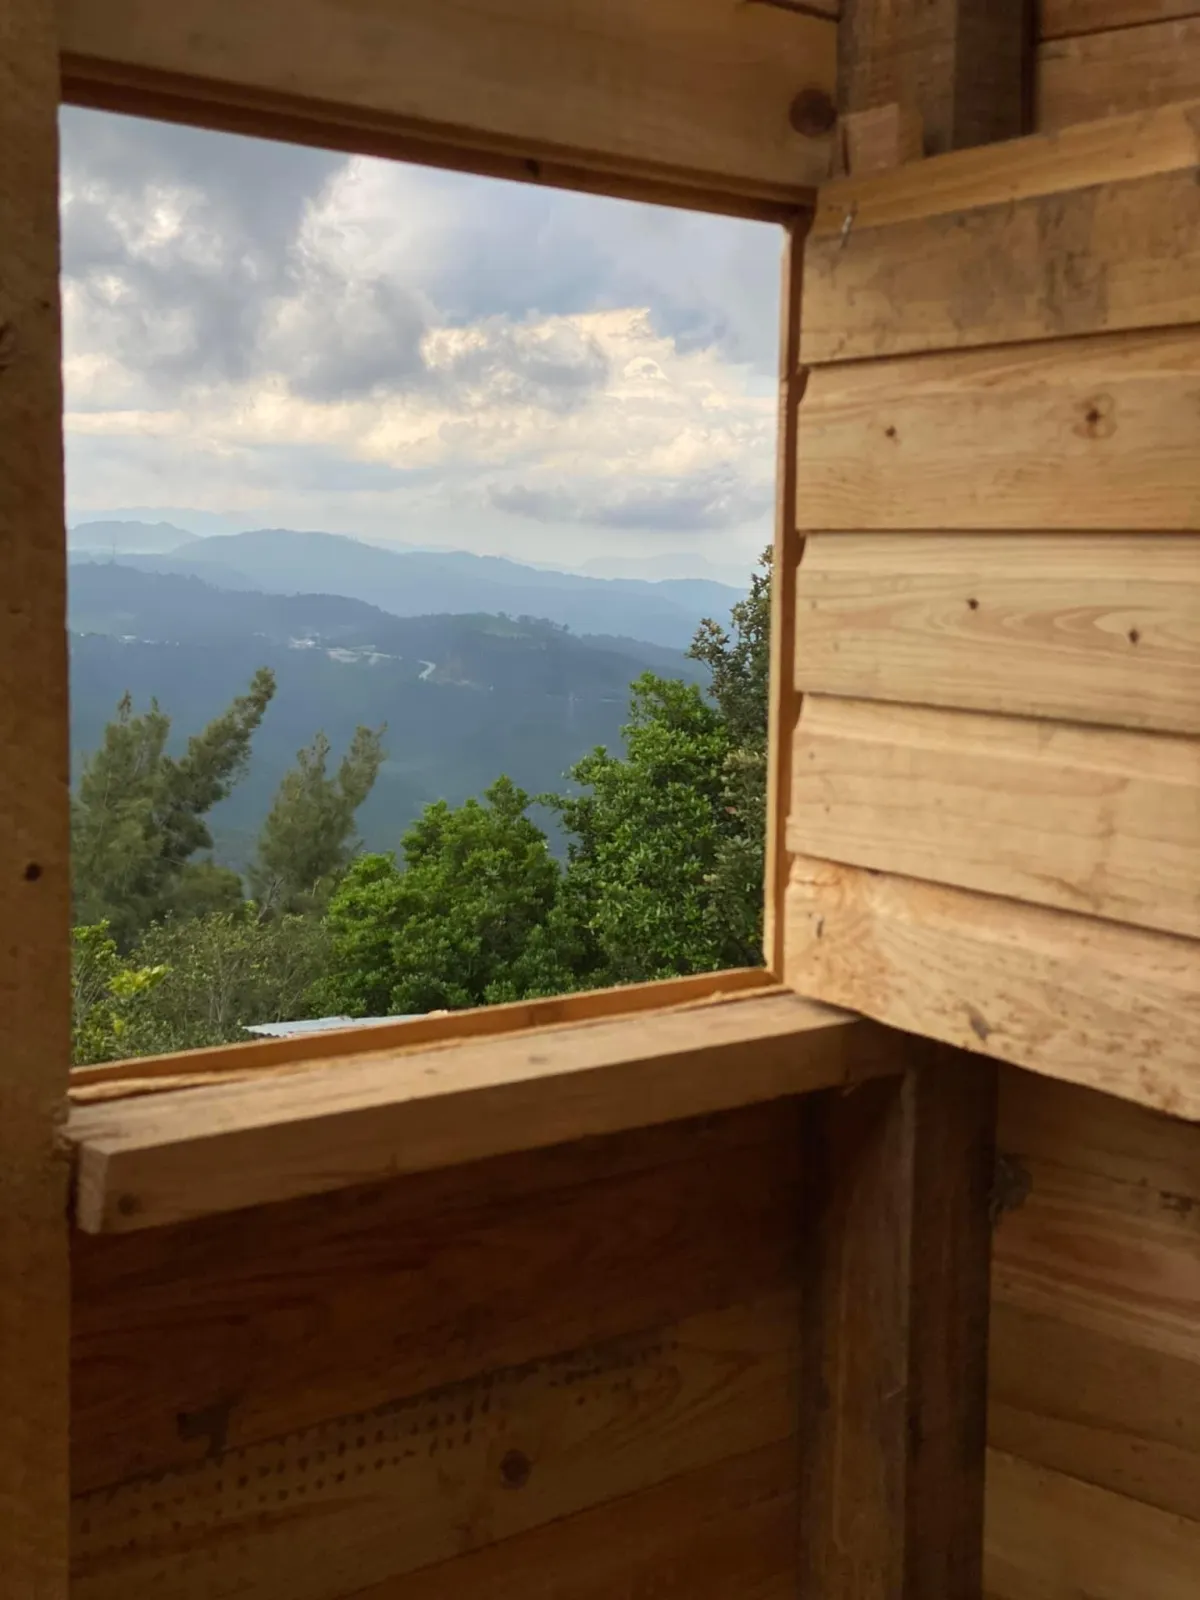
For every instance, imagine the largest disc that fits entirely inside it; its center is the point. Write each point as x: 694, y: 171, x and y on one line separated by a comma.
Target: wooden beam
x: 894, y: 1290
x: 142, y: 1163
x: 1121, y: 70
x: 689, y: 101
x: 35, y: 996
x: 1090, y: 1002
x: 960, y: 65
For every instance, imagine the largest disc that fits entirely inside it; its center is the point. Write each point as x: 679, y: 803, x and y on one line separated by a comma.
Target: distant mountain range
x: 465, y: 696
x: 411, y: 583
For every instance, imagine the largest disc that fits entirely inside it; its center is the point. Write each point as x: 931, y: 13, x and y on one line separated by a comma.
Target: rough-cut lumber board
x: 1108, y: 74
x: 894, y: 1290
x: 1097, y: 820
x: 35, y: 1002
x: 786, y: 555
x: 142, y: 1163
x: 1072, y: 997
x: 319, y: 1514
x: 960, y: 64
x: 691, y: 95
x: 722, y: 1531
x: 340, y: 1045
x: 1050, y: 1537
x: 1059, y: 19
x: 207, y: 1335
x: 1095, y: 433
x: 1112, y: 150
x: 1103, y: 629
x: 1110, y: 256
x: 1108, y: 1410
x: 879, y: 140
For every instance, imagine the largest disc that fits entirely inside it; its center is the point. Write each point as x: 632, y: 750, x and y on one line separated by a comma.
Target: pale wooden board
x: 1095, y: 433
x: 786, y: 553
x: 1103, y: 629
x: 1112, y: 150
x: 1108, y: 74
x: 214, y: 1323
x: 1097, y: 820
x: 1090, y: 1002
x: 319, y: 1514
x: 1060, y: 19
x: 722, y: 1531
x: 35, y: 1003
x: 1099, y: 259
x: 1050, y: 1537
x: 164, y: 1158
x: 695, y: 93
x: 341, y: 1045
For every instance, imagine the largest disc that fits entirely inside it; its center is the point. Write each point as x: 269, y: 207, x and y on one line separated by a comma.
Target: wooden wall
x: 1099, y: 58
x: 572, y: 1371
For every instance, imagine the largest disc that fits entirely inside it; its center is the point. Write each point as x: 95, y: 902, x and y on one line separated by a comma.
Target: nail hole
x: 33, y: 872
x: 1134, y: 636
x: 891, y: 432
x: 973, y: 604
x: 515, y: 1469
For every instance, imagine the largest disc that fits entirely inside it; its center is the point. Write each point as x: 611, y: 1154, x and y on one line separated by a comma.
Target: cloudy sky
x: 264, y: 335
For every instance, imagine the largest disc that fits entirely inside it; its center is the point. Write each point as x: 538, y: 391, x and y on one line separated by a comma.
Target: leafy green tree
x: 646, y: 832
x: 223, y: 972
x: 308, y: 838
x: 140, y: 815
x: 109, y: 995
x: 463, y: 921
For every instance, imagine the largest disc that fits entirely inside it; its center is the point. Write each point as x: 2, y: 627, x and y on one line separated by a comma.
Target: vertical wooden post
x: 895, y: 1306
x: 963, y: 66
x: 35, y: 998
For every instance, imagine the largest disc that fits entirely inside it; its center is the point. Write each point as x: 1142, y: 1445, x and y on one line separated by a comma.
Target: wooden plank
x: 341, y: 1045
x: 145, y: 1162
x: 1103, y: 1409
x: 1050, y: 1537
x: 209, y: 1336
x: 1112, y: 150
x: 1060, y: 19
x: 1109, y: 74
x: 1103, y: 629
x: 725, y: 1530
x: 1092, y: 433
x: 1100, y: 259
x: 318, y: 1514
x: 959, y: 64
x: 693, y: 96
x: 894, y: 1344
x: 786, y: 555
x: 1097, y: 820
x: 35, y: 1005
x: 1075, y: 998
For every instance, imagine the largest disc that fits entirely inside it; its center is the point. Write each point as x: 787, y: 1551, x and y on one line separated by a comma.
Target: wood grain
x: 959, y: 64
x: 1072, y: 997
x: 212, y: 1335
x: 1094, y: 433
x: 1050, y: 1537
x: 1124, y: 70
x: 721, y: 1531
x: 147, y: 1162
x: 1087, y: 819
x: 1100, y: 259
x: 35, y: 1004
x: 1059, y: 19
x: 786, y: 553
x: 894, y: 1288
x: 693, y: 94
x: 319, y: 1514
x: 1103, y: 629
x: 341, y: 1045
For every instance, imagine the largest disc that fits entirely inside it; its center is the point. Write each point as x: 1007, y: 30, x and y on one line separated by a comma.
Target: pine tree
x: 140, y: 815
x: 308, y: 838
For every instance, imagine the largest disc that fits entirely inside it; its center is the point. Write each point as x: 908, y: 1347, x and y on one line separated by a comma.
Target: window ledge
x: 150, y: 1161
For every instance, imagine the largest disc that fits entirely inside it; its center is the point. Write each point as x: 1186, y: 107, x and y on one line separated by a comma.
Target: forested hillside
x: 663, y: 861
